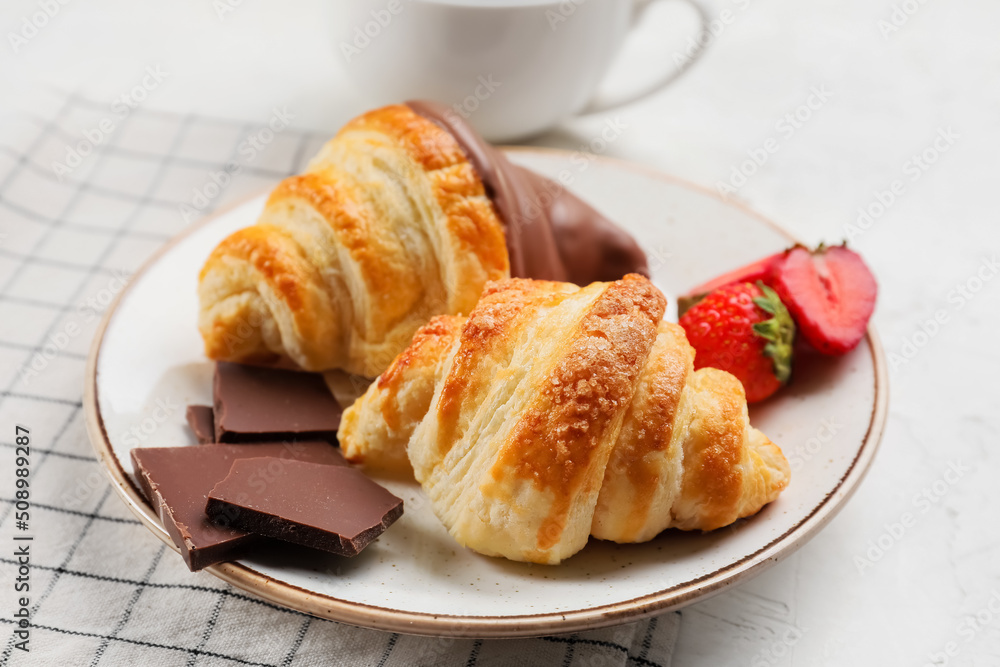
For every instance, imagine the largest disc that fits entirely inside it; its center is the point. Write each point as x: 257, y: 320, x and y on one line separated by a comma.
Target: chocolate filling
x: 551, y: 233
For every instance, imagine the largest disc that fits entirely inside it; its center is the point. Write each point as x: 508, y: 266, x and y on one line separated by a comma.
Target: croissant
x: 389, y: 226
x: 554, y: 412
x: 405, y: 214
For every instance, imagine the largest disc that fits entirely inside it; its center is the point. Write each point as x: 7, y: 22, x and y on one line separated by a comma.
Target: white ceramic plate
x: 415, y: 578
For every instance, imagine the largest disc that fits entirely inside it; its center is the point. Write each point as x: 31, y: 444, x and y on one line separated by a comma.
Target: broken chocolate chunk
x: 201, y: 419
x: 257, y: 404
x: 336, y: 509
x: 177, y: 480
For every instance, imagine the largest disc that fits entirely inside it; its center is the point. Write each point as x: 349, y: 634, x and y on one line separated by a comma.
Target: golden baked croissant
x: 389, y: 226
x: 554, y: 412
x: 405, y: 214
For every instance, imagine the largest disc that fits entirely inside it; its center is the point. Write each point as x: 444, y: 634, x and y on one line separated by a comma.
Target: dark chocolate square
x: 177, y: 480
x: 336, y: 509
x: 201, y: 419
x: 254, y: 403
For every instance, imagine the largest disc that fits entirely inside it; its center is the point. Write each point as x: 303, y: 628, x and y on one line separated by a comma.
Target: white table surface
x: 890, y: 96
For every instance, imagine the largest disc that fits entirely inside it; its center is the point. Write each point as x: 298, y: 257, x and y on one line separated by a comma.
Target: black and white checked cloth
x: 104, y: 590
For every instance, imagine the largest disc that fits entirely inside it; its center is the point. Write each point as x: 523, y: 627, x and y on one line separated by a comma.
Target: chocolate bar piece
x: 336, y: 509
x: 201, y: 419
x: 177, y: 480
x: 258, y: 404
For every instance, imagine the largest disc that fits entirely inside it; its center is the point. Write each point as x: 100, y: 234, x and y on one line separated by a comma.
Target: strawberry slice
x: 831, y: 294
x: 762, y: 270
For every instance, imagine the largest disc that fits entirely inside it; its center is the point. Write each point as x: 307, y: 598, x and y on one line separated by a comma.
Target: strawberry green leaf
x: 779, y: 331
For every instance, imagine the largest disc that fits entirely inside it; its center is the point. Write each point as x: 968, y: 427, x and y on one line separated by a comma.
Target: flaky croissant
x: 554, y: 412
x: 389, y: 226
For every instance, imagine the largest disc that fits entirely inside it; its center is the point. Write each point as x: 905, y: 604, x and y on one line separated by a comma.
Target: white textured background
x: 890, y: 96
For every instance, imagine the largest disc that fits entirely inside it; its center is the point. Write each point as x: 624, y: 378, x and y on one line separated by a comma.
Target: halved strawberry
x: 762, y: 269
x: 831, y: 294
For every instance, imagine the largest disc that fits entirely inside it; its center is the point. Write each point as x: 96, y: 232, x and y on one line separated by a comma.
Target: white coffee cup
x: 512, y: 67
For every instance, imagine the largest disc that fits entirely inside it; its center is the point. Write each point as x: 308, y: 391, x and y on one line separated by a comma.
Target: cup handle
x: 597, y: 106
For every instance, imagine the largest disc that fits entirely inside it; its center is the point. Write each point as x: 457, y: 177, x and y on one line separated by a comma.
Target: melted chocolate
x: 551, y: 233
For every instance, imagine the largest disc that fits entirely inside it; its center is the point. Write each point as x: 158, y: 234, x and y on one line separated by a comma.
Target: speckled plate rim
x: 417, y: 623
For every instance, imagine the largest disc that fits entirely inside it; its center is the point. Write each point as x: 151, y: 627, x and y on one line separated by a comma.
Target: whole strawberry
x: 744, y: 329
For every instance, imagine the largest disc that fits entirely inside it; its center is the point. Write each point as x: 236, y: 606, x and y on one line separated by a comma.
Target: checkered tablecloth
x: 87, y: 193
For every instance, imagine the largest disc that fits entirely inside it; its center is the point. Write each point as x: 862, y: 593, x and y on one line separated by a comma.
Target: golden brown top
x: 582, y: 397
